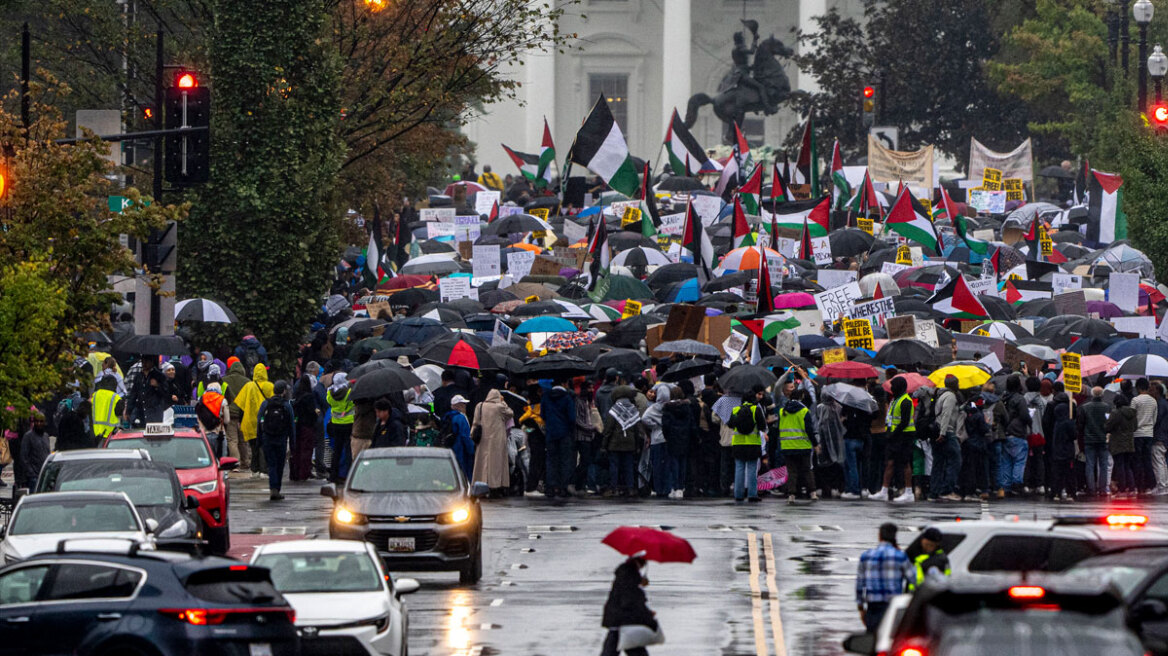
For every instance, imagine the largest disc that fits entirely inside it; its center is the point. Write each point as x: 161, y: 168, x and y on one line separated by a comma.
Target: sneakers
x: 951, y: 497
x: 864, y: 493
x: 848, y: 496
x: 907, y: 497
x: 533, y: 493
x: 790, y: 499
x: 814, y: 496
x: 882, y: 495
x: 276, y: 496
x: 677, y: 494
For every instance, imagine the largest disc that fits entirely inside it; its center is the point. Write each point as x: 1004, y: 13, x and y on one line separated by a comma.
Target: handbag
x: 633, y: 636
x: 5, y: 452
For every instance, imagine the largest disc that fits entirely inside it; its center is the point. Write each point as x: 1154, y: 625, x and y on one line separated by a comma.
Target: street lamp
x: 1157, y: 68
x: 1112, y: 31
x: 1124, y: 34
x: 1143, y: 10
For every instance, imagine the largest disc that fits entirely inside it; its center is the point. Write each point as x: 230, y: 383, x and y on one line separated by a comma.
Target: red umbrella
x: 913, y: 379
x: 847, y: 370
x: 659, y: 546
x: 405, y: 282
x: 458, y: 351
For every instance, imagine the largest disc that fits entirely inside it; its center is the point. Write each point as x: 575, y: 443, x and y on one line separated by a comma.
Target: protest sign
x: 788, y: 247
x: 837, y: 354
x: 707, y: 207
x: 835, y: 303
x: 485, y: 200
x: 672, y: 224
x: 574, y: 232
x: 1072, y: 372
x: 927, y: 332
x: 466, y: 250
x: 904, y: 255
x: 1072, y: 302
x: 540, y: 213
x: 992, y: 362
x: 901, y: 327
x: 545, y: 266
x: 519, y: 264
x: 502, y: 334
x: 435, y: 230
x: 892, y: 268
x: 1124, y: 290
x: 976, y: 346
x: 1138, y: 326
x: 864, y: 223
x: 733, y: 345
x: 918, y: 256
x: 877, y: 310
x: 859, y: 333
x: 914, y: 168
x: 982, y: 286
x: 832, y: 278
x: 631, y: 215
x: 485, y: 261
x: 1018, y: 163
x: 454, y: 288
x: 810, y: 322
x: 534, y: 298
x: 443, y: 214
x: 632, y: 309
x: 821, y: 250
x: 984, y: 200
x: 1061, y: 282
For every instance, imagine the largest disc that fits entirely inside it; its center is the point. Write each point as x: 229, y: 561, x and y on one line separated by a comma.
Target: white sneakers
x: 677, y: 494
x: 907, y: 497
x: 848, y: 496
x: 882, y: 495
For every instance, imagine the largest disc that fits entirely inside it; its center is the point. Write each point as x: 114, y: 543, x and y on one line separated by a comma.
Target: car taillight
x: 1130, y: 522
x: 911, y: 651
x: 1026, y: 592
x: 214, y: 616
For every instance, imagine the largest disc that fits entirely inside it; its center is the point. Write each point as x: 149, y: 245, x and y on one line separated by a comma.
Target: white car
x: 345, y: 601
x: 40, y: 522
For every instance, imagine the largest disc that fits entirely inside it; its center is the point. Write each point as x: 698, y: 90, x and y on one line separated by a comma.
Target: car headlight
x: 455, y: 516
x: 346, y: 516
x: 175, y: 530
x: 382, y: 623
x: 204, y: 488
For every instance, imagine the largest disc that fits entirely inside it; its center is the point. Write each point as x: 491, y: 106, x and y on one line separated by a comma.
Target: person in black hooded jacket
x: 1061, y: 447
x: 627, y: 605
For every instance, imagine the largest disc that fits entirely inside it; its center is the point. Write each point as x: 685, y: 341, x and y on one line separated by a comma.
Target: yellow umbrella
x: 967, y: 375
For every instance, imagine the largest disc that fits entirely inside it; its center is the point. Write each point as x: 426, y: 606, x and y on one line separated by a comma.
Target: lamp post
x: 1143, y: 11
x: 1124, y: 34
x: 1157, y: 68
x: 1112, y: 31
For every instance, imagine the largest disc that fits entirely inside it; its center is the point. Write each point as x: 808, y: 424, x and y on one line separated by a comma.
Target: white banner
x: 519, y: 264
x: 837, y: 302
x: 1018, y: 163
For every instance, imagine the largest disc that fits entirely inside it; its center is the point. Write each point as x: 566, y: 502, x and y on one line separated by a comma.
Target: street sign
x: 888, y: 136
x: 120, y: 203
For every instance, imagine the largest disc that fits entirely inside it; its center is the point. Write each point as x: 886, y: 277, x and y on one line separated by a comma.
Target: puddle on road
x: 812, y: 592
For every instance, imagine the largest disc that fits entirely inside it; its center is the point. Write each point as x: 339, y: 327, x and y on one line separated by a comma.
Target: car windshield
x: 145, y: 486
x: 1039, y: 633
x: 322, y: 572
x: 181, y: 452
x: 88, y: 516
x: 1126, y: 576
x: 401, y: 474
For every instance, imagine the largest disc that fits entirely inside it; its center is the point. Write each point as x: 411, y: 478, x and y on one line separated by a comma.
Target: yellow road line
x: 773, y: 590
x: 760, y: 644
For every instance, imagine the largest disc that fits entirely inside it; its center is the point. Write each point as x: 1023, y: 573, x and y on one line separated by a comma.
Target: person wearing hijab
x: 492, y: 462
x: 307, y: 413
x: 213, y: 417
x: 627, y: 606
x: 203, y: 371
x: 340, y: 428
x: 232, y: 385
x: 659, y: 459
x: 250, y: 398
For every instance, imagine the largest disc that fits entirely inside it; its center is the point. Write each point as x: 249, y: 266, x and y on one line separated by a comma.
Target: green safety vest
x: 343, y: 410
x: 919, y: 563
x: 752, y: 438
x: 894, y: 414
x: 104, y: 419
x: 793, y: 430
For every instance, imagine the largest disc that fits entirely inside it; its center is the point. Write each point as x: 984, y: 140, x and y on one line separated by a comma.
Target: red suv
x: 201, y: 476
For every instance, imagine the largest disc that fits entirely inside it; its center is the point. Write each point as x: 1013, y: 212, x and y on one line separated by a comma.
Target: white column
x: 675, y: 59
x: 540, y: 93
x: 809, y: 9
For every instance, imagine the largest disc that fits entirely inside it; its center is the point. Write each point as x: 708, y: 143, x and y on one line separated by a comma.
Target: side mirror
x: 406, y: 586
x: 3, y: 531
x: 860, y: 643
x: 479, y: 490
x: 151, y: 525
x: 228, y: 464
x: 1149, y: 610
x: 329, y: 490
x: 192, y: 502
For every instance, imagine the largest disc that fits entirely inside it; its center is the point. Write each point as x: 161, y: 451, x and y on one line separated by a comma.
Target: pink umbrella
x: 1096, y: 364
x: 471, y: 187
x: 793, y: 300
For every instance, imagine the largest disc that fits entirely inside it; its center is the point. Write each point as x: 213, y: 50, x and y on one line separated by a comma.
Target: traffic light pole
x: 156, y: 235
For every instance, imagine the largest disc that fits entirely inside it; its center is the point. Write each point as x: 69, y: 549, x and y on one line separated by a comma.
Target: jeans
x: 275, y: 453
x: 1012, y: 462
x: 1098, y: 457
x: 585, y: 474
x: 340, y: 435
x: 678, y: 466
x: 662, y: 469
x: 874, y: 613
x: 1125, y: 479
x: 853, y: 465
x: 621, y: 466
x: 1159, y: 468
x: 561, y: 461
x: 946, y: 466
x: 745, y: 479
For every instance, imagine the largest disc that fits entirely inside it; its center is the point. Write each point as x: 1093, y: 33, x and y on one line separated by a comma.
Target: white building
x: 646, y: 57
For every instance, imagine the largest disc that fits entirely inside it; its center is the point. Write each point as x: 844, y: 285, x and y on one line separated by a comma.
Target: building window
x: 615, y: 89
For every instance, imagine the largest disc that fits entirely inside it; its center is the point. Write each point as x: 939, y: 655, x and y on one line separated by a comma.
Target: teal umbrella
x: 545, y: 324
x: 621, y: 288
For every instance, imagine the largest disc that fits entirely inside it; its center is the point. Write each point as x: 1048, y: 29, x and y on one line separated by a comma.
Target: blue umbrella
x: 545, y: 324
x: 815, y: 342
x: 686, y: 291
x: 1129, y: 347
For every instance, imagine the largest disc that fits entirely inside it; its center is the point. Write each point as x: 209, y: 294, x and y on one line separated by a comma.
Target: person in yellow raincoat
x: 250, y: 398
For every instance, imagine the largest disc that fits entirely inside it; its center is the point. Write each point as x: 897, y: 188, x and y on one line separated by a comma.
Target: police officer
x: 107, y: 406
x: 932, y: 561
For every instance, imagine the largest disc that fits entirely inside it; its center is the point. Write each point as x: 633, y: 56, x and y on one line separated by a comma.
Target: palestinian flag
x: 751, y: 192
x: 742, y: 235
x: 779, y: 191
x: 1106, y: 221
x: 494, y: 212
x: 806, y: 250
x: 728, y: 178
x: 742, y: 150
x: 816, y: 212
x: 950, y: 209
x: 695, y: 240
x: 1079, y: 195
x: 527, y: 164
x: 547, y: 157
x: 996, y: 261
x: 910, y: 222
x: 736, y: 166
x: 807, y: 166
x: 650, y: 218
x: 373, y: 268
x: 599, y: 251
x: 840, y: 189
x: 1032, y: 237
x: 1020, y: 291
x: 600, y: 147
x: 865, y: 200
x: 766, y: 298
x: 957, y: 300
x: 684, y: 151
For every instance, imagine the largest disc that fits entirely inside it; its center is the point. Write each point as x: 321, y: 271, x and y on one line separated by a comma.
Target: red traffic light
x: 1160, y: 115
x: 869, y: 92
x: 148, y: 113
x: 186, y: 81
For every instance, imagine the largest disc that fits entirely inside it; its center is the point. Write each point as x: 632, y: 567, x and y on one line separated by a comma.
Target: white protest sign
x: 879, y: 309
x: 445, y: 214
x: 467, y: 228
x: 927, y: 332
x: 1124, y: 290
x: 918, y: 256
x: 810, y: 322
x: 454, y: 288
x: 485, y: 261
x: 485, y: 200
x: 764, y: 239
x: 832, y: 278
x: 821, y: 249
x: 788, y: 247
x: 1062, y: 282
x: 992, y: 362
x: 573, y: 231
x: 502, y: 334
x: 991, y: 202
x: 987, y: 286
x: 1142, y: 326
x: 674, y: 252
x: 671, y: 224
x: 984, y: 235
x: 892, y: 268
x: 519, y: 264
x: 508, y: 210
x: 733, y: 345
x: 707, y: 207
x: 434, y: 230
x: 837, y: 302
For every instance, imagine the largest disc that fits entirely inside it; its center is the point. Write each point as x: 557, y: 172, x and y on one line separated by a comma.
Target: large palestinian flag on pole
x: 600, y: 147
x: 910, y: 223
x: 751, y: 192
x: 528, y: 165
x: 840, y: 189
x: 547, y: 157
x: 816, y: 212
x: 685, y: 153
x: 957, y: 300
x: 1106, y: 221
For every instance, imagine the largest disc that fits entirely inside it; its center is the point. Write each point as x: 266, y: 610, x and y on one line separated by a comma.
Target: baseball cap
x: 458, y: 398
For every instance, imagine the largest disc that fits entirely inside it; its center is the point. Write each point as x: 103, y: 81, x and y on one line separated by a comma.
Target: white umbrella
x: 571, y: 310
x: 851, y: 396
x: 886, y: 282
x: 431, y: 374
x: 201, y: 309
x: 436, y: 263
x: 1145, y: 365
x: 640, y: 256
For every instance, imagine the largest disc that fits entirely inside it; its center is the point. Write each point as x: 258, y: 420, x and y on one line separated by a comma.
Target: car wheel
x: 472, y: 571
x: 219, y: 540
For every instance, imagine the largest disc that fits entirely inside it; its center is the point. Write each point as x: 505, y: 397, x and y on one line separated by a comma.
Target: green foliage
x: 263, y: 234
x: 31, y: 310
x: 1142, y: 160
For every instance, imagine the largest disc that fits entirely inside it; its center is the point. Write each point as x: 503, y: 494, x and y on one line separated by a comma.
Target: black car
x: 141, y: 603
x: 153, y: 488
x: 415, y: 506
x: 1141, y: 575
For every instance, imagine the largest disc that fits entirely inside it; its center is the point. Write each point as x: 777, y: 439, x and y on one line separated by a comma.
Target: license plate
x: 260, y: 649
x: 399, y: 545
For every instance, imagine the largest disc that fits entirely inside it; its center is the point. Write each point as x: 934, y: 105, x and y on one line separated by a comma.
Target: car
x: 985, y: 615
x: 345, y: 601
x: 200, y: 473
x: 40, y: 521
x: 153, y: 487
x: 416, y: 508
x: 888, y: 623
x: 983, y: 546
x: 1141, y: 575
x: 138, y: 602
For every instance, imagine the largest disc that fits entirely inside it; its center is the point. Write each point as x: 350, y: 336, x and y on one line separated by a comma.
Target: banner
x: 915, y: 169
x: 1018, y: 163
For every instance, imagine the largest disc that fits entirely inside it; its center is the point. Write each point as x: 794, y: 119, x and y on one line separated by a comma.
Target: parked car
x: 345, y: 601
x: 200, y: 473
x: 416, y: 508
x: 41, y: 521
x: 1141, y: 574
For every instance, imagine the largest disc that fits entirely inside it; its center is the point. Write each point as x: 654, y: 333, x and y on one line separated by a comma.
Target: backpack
x: 251, y: 357
x: 743, y: 419
x: 277, y: 419
x: 926, y: 420
x: 446, y: 436
x: 209, y: 420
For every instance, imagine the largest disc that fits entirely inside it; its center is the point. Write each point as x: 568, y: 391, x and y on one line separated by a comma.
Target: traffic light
x: 868, y: 105
x: 188, y: 155
x: 1158, y: 116
x: 148, y: 113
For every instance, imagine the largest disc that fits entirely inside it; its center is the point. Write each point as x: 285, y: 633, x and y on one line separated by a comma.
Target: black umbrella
x: 915, y: 305
x: 622, y: 359
x: 687, y: 369
x: 688, y: 347
x: 539, y: 309
x: 850, y: 242
x: 431, y: 246
x: 395, y: 352
x: 999, y: 308
x: 201, y: 309
x: 736, y: 279
x: 409, y: 299
x: 414, y: 330
x: 1068, y: 237
x: 680, y: 183
x: 784, y: 361
x: 507, y: 363
x: 905, y: 352
x: 1039, y: 307
x: 677, y: 272
x: 385, y: 380
x: 624, y: 239
x: 515, y: 223
x: 153, y: 345
x: 496, y: 296
x: 556, y: 365
x: 513, y: 350
x: 449, y: 317
x: 371, y: 366
x: 1054, y: 171
x: 815, y: 342
x: 744, y: 377
x: 458, y: 350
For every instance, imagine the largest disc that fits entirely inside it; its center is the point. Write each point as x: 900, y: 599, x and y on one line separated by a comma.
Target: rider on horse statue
x: 743, y: 76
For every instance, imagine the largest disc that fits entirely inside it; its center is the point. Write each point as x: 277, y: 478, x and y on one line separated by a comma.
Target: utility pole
x: 25, y: 72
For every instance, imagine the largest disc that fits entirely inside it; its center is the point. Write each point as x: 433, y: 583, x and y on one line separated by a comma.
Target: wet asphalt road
x: 770, y: 579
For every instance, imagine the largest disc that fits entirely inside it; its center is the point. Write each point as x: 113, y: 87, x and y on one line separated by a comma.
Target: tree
x: 31, y: 310
x: 926, y: 59
x: 263, y: 235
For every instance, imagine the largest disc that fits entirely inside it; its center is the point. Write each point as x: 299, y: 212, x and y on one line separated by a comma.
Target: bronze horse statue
x: 735, y: 99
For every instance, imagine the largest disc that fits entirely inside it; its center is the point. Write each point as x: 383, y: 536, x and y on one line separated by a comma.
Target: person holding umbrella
x: 631, y: 625
x: 627, y: 606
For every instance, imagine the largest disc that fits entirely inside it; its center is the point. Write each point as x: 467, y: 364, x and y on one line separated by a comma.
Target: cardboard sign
x: 859, y: 333
x: 976, y: 346
x: 837, y: 354
x: 540, y: 213
x: 485, y: 261
x: 864, y: 224
x: 904, y: 255
x: 466, y: 250
x: 836, y: 303
x: 455, y: 288
x: 892, y: 268
x: 1074, y: 302
x: 502, y: 334
x: 442, y: 214
x: 1061, y: 282
x: 821, y: 250
x: 519, y: 264
x: 545, y: 266
x: 534, y: 298
x: 901, y: 327
x: 632, y: 309
x: 485, y: 200
x: 832, y: 278
x: 375, y: 308
x: 1072, y: 372
x: 631, y: 215
x: 1124, y: 290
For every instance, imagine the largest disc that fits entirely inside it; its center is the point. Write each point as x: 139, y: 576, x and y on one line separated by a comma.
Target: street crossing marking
x: 773, y: 589
x: 497, y: 602
x: 760, y: 646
